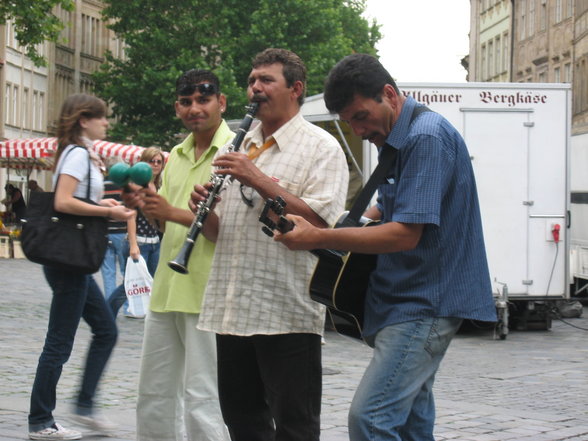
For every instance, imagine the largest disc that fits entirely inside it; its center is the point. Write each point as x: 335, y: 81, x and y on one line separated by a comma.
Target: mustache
x: 258, y: 98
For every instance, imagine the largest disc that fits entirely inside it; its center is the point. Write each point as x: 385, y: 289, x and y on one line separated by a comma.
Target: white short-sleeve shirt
x: 74, y: 162
x: 256, y: 285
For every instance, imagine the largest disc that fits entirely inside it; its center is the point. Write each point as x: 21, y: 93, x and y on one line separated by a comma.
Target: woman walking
x: 75, y: 296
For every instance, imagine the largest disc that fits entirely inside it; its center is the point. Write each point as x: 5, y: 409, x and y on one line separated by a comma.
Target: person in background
x: 75, y: 296
x: 142, y: 234
x: 431, y: 272
x: 178, y: 393
x: 147, y: 232
x: 268, y: 329
x: 34, y: 186
x: 15, y: 202
x: 117, y: 251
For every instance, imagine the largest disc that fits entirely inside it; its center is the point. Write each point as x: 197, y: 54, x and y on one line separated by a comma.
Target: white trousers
x: 178, y: 391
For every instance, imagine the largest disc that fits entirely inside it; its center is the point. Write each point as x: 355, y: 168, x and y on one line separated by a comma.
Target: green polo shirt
x: 173, y: 291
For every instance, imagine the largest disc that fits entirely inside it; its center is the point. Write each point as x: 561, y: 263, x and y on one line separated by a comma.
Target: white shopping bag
x: 138, y: 283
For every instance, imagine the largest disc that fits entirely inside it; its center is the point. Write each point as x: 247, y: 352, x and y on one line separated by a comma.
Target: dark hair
x: 293, y: 66
x: 359, y: 74
x: 186, y: 82
x: 73, y: 109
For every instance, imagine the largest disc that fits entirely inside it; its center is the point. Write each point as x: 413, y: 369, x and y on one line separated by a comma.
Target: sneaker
x: 95, y: 423
x: 56, y: 431
x: 129, y: 315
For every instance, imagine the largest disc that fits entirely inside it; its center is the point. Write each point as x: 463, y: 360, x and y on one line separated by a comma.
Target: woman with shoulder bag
x: 75, y: 296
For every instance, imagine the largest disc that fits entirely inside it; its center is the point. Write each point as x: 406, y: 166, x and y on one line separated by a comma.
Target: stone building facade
x: 542, y: 41
x: 32, y: 95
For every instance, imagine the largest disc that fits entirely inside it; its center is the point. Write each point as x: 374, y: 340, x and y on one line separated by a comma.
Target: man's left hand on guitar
x: 304, y: 236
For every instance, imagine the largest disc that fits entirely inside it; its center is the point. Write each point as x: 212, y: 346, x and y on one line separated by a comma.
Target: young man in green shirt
x: 178, y: 364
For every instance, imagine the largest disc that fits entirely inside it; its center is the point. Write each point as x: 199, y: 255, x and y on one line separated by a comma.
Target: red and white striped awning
x: 34, y: 153
x: 37, y: 153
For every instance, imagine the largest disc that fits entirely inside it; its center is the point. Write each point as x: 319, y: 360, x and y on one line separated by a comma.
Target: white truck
x: 518, y: 136
x: 579, y: 215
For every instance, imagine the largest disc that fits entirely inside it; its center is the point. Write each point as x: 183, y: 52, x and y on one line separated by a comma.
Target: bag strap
x: 387, y: 158
x: 62, y: 161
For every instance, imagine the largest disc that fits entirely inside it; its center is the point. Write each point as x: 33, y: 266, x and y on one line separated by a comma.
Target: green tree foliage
x: 164, y: 39
x: 34, y: 23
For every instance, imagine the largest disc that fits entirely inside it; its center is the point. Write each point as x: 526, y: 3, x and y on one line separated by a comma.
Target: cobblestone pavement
x: 533, y: 386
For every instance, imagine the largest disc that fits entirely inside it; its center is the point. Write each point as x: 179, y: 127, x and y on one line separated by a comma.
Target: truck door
x: 498, y: 142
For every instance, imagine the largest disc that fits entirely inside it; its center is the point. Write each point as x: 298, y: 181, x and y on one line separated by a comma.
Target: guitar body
x: 340, y: 281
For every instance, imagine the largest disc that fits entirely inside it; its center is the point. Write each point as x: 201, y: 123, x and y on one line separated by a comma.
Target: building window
x: 91, y: 35
x: 505, y: 53
x: 569, y: 8
x: 34, y: 109
x: 483, y: 64
x: 490, y: 59
x: 11, y: 40
x: 7, y: 101
x: 41, y: 49
x: 543, y: 16
x: 67, y: 33
x: 38, y: 110
x: 497, y: 57
x: 86, y: 86
x: 531, y: 18
x: 26, y: 119
x: 568, y: 73
x: 15, y: 105
x: 523, y: 22
x: 41, y: 118
x: 542, y: 77
x: 580, y: 90
x: 118, y: 49
x: 584, y: 86
x: 557, y: 75
x: 558, y: 11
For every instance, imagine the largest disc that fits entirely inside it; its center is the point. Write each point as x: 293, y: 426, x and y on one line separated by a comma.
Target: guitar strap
x: 387, y: 158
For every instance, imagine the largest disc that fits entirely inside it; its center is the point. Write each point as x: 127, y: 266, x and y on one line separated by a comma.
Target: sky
x: 423, y: 40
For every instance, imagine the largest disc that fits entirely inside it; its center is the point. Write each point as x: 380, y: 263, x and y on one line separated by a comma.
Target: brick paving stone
x: 530, y: 387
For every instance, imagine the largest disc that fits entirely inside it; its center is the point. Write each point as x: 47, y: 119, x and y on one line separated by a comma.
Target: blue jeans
x: 394, y: 400
x: 114, y: 253
x: 150, y: 252
x: 75, y: 296
x: 118, y: 297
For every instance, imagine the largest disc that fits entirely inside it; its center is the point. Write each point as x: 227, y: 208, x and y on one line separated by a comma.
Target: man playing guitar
x: 431, y: 270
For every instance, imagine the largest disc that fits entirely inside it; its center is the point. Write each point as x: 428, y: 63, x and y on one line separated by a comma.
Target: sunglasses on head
x: 205, y: 89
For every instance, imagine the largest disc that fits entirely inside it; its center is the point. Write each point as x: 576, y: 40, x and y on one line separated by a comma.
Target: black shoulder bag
x: 60, y: 240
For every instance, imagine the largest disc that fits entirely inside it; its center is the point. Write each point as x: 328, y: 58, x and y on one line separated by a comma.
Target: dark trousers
x: 270, y: 386
x: 75, y: 296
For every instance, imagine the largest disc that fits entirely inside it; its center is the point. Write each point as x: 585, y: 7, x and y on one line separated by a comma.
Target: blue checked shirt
x: 432, y: 183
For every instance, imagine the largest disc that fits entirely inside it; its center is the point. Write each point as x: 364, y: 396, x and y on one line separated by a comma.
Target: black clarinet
x: 180, y: 263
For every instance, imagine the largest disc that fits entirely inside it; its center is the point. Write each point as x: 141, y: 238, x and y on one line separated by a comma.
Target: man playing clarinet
x: 268, y: 329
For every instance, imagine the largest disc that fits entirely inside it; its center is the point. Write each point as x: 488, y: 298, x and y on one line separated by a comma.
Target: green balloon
x: 141, y: 173
x: 119, y: 174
